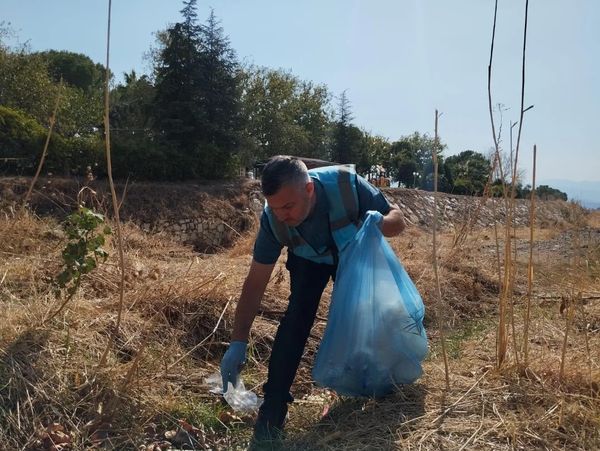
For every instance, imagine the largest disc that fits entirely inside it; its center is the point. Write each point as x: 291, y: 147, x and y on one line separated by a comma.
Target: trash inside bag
x: 374, y: 339
x: 240, y: 399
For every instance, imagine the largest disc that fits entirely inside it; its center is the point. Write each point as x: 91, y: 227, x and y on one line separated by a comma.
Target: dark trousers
x: 308, y: 280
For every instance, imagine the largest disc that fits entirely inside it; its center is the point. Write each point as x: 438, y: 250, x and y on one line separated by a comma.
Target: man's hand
x: 232, y: 362
x: 377, y: 217
x: 393, y: 222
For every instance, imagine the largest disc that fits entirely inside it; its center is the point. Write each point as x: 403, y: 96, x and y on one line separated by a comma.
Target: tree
x: 343, y: 142
x: 25, y: 84
x: 220, y: 91
x: 197, y: 96
x: 21, y: 139
x: 132, y: 106
x: 75, y: 69
x: 178, y: 101
x: 545, y: 192
x: 410, y: 161
x: 372, y: 151
x: 402, y: 163
x: 467, y: 173
x: 284, y: 115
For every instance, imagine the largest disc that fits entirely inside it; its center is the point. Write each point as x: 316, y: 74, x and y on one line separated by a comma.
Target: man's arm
x: 249, y: 302
x: 393, y: 222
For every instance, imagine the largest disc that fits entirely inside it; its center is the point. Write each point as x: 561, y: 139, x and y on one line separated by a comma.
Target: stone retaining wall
x: 210, y: 216
x: 211, y: 233
x: 453, y: 212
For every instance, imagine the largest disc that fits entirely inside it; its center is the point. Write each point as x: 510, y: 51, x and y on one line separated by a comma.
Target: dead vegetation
x: 175, y: 326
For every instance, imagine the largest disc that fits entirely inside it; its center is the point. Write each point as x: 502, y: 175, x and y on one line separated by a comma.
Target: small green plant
x: 468, y: 331
x: 86, y: 231
x: 196, y: 412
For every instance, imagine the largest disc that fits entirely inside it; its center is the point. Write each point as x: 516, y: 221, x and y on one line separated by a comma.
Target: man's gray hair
x: 283, y: 170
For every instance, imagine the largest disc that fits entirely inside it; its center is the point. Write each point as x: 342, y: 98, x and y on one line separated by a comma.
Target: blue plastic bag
x: 374, y: 337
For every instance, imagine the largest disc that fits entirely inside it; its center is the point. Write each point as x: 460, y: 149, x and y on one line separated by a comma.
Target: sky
x: 397, y: 60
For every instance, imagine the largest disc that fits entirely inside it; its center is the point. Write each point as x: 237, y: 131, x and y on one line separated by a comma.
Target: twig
x: 455, y: 403
x: 480, y: 424
x: 568, y: 320
x: 204, y: 340
x: 124, y: 193
x: 65, y: 302
x: 231, y: 228
x: 45, y: 151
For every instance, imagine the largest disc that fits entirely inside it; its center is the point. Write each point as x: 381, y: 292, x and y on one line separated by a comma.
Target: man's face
x: 292, y: 203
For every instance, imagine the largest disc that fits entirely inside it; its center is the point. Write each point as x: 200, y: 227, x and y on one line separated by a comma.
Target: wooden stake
x: 114, y: 196
x: 530, y: 265
x: 435, y: 265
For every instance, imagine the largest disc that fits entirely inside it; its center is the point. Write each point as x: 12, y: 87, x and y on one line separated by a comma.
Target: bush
x: 21, y: 140
x: 141, y: 158
x: 84, y: 152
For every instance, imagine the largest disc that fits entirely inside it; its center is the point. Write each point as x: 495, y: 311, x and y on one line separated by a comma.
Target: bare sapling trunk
x: 115, y: 201
x: 529, y: 265
x: 46, y: 144
x: 435, y: 262
x: 501, y: 331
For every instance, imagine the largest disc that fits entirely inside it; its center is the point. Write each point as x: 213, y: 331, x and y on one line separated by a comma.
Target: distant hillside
x: 587, y: 192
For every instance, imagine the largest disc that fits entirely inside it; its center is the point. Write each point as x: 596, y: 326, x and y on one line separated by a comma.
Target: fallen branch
x: 455, y: 403
x: 204, y: 340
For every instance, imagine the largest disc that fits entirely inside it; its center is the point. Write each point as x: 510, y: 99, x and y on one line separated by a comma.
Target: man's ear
x: 310, y: 187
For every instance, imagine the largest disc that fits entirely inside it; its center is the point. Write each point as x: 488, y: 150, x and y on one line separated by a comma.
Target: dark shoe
x: 268, y: 428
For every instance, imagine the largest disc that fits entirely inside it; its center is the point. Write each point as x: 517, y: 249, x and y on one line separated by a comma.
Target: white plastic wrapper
x: 240, y: 399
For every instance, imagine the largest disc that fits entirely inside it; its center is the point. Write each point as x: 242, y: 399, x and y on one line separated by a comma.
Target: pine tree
x: 197, y: 96
x: 342, y: 145
x: 220, y: 96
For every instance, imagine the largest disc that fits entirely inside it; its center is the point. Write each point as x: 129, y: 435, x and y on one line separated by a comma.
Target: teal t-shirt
x: 315, y: 229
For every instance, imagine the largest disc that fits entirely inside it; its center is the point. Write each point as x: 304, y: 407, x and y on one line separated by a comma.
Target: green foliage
x: 79, y: 113
x: 76, y: 70
x: 86, y: 231
x: 196, y: 412
x: 81, y: 106
x: 197, y: 94
x: 284, y: 115
x: 545, y: 192
x: 410, y: 161
x: 371, y: 151
x: 26, y: 86
x: 467, y: 331
x: 200, y: 116
x: 140, y: 158
x: 80, y: 153
x: 131, y: 107
x: 346, y: 137
x: 21, y: 140
x: 467, y: 172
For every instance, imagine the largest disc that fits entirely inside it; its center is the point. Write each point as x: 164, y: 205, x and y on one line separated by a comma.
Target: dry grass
x: 176, y: 325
